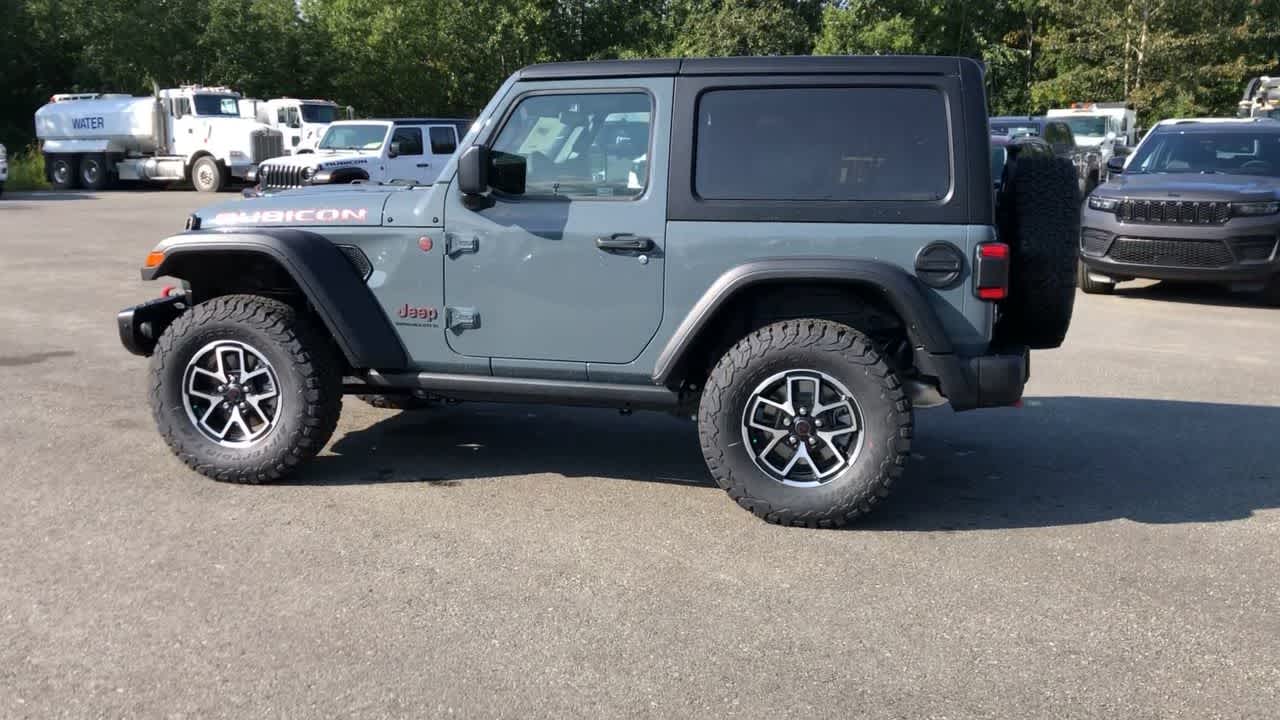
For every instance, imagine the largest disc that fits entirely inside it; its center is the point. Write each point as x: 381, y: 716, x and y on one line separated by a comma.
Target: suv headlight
x: 1105, y: 204
x: 307, y: 172
x: 1253, y: 209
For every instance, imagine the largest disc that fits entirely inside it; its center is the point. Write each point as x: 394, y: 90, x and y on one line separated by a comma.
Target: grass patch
x: 26, y: 170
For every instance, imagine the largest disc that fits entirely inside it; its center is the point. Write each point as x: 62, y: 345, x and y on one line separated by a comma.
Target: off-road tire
x: 398, y: 401
x: 828, y: 347
x: 1042, y: 228
x: 310, y: 385
x: 64, y: 171
x: 94, y: 172
x: 207, y: 175
x: 1090, y: 286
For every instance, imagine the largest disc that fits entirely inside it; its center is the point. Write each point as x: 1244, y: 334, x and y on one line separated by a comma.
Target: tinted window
x: 217, y: 105
x: 1056, y: 134
x: 1234, y: 153
x: 580, y: 146
x: 410, y: 139
x: 443, y: 141
x: 319, y: 113
x: 822, y: 144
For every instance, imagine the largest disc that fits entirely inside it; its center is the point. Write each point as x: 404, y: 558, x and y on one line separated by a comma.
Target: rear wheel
x: 63, y: 171
x: 803, y: 423
x: 1091, y: 286
x: 94, y: 172
x: 244, y: 389
x: 1042, y: 227
x: 207, y: 175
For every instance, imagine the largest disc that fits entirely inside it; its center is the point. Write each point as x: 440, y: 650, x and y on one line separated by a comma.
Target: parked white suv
x: 408, y: 151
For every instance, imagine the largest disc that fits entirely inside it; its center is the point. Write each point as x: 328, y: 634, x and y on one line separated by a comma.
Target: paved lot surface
x: 1110, y: 550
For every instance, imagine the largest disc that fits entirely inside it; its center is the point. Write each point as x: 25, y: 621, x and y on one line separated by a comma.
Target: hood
x: 323, y: 159
x: 1192, y: 186
x: 323, y: 205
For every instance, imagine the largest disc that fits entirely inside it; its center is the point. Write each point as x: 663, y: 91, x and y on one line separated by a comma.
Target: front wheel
x: 803, y: 423
x: 244, y: 388
x: 207, y: 175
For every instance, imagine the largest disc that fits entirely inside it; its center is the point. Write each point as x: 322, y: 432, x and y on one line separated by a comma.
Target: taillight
x: 991, y: 271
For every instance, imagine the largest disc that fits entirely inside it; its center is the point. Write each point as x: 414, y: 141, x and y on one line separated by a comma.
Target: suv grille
x: 267, y: 144
x: 1173, y: 212
x: 279, y: 176
x: 1171, y: 253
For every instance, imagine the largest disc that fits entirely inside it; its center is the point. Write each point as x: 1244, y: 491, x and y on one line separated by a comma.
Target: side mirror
x: 1115, y: 164
x: 507, y: 172
x: 1122, y: 150
x: 394, y: 150
x: 473, y: 170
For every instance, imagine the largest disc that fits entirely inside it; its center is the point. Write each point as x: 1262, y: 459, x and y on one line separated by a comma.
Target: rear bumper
x: 970, y: 383
x: 141, y: 325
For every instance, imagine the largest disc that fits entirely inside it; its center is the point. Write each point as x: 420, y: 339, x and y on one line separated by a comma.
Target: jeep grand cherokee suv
x: 796, y: 250
x: 1198, y: 201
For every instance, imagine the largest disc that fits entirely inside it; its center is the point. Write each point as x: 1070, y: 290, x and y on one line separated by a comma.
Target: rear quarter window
x: 827, y: 144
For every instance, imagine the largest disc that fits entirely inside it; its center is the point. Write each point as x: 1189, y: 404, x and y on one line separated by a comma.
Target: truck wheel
x: 244, y: 388
x: 399, y: 401
x: 207, y: 175
x: 1093, y: 287
x: 94, y: 172
x: 63, y: 171
x: 803, y: 423
x: 1042, y: 228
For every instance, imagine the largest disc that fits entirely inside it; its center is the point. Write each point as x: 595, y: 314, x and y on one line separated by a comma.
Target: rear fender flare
x: 326, y: 277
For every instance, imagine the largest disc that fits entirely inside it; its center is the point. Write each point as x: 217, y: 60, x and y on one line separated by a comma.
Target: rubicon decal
x: 309, y: 215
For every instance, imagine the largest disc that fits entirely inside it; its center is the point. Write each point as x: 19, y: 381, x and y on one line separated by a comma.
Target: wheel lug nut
x: 222, y: 388
x: 803, y: 411
x: 818, y: 423
x: 786, y: 421
x: 813, y: 441
x: 792, y: 439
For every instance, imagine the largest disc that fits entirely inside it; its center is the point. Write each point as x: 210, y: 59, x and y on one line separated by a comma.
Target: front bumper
x: 141, y: 325
x: 1241, y: 250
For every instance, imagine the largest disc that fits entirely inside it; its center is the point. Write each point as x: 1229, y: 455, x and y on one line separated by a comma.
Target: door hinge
x: 461, y: 318
x: 455, y: 246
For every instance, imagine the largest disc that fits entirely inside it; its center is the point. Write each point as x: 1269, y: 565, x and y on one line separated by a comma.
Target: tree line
x: 445, y: 57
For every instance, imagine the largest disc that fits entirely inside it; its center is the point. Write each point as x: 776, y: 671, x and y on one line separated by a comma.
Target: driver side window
x: 410, y: 139
x: 580, y: 146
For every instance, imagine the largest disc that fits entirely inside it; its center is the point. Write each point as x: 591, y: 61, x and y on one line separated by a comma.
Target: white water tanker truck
x: 191, y: 133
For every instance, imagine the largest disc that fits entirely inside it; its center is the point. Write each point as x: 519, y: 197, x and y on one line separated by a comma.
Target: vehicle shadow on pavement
x: 451, y: 444
x: 1056, y: 461
x: 1196, y: 294
x: 1073, y: 460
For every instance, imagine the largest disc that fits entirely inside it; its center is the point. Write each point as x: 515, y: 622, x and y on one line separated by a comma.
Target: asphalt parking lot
x: 1112, y: 549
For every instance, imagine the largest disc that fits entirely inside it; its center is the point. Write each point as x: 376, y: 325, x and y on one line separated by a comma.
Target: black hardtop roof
x: 770, y: 65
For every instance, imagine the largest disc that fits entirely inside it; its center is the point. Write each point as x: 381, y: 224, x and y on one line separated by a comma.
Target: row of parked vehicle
x: 1196, y: 200
x: 210, y: 136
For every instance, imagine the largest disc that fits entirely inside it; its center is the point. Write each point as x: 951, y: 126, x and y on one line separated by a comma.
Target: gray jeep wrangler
x: 795, y: 250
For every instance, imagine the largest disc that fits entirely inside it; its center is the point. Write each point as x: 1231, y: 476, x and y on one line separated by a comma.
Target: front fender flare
x: 323, y: 273
x: 901, y: 290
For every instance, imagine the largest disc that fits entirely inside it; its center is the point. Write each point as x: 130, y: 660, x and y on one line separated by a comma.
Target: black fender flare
x: 326, y: 277
x: 900, y: 289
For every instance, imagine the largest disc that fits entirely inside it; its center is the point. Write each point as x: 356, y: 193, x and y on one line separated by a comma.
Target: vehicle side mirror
x: 1122, y: 150
x: 507, y: 172
x: 1115, y: 164
x: 473, y: 170
x: 394, y: 150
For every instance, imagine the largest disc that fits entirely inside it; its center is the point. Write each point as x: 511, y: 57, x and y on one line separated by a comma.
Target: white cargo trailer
x: 191, y: 133
x: 301, y: 122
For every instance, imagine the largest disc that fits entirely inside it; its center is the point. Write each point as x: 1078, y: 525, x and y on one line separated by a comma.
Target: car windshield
x: 319, y: 113
x: 1015, y: 129
x: 353, y: 137
x: 1229, y: 153
x: 1095, y: 126
x: 217, y: 105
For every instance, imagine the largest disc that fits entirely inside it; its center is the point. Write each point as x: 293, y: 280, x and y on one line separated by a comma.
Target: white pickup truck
x: 401, y: 150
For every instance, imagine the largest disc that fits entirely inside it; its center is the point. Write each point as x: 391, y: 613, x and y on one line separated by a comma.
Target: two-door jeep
x: 796, y: 250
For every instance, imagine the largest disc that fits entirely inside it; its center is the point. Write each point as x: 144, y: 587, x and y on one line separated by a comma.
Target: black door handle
x: 424, y: 164
x: 624, y: 241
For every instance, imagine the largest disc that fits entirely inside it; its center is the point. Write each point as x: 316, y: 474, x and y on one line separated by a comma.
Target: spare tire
x: 1040, y: 221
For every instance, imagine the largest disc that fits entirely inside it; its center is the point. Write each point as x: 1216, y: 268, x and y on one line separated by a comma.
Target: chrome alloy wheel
x: 802, y: 427
x: 231, y: 393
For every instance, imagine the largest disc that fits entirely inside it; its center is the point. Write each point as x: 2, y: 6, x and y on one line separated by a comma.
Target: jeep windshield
x: 1087, y: 126
x: 353, y: 137
x: 226, y: 105
x: 315, y: 113
x: 1213, y: 152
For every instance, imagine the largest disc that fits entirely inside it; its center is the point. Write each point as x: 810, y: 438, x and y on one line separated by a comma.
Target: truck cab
x: 1108, y: 128
x: 301, y: 122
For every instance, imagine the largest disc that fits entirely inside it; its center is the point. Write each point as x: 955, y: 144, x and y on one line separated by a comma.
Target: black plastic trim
x: 968, y: 202
x: 141, y: 325
x: 775, y: 65
x: 529, y: 390
x: 325, y: 275
x: 901, y: 290
x: 590, y: 69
